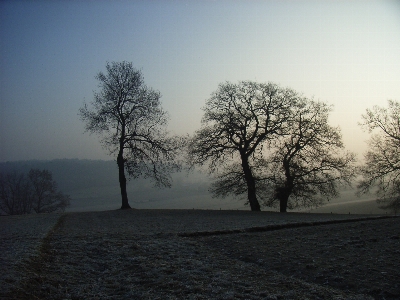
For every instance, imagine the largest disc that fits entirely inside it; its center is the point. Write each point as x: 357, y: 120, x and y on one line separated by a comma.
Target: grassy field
x: 108, y: 198
x: 354, y: 207
x: 196, y: 196
x: 199, y: 254
x: 93, y: 186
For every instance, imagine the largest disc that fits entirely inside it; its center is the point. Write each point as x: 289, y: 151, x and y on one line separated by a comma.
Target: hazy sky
x: 346, y: 53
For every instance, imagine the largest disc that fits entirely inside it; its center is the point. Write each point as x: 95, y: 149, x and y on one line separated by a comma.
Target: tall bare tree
x: 382, y: 160
x: 300, y: 168
x: 238, y: 120
x: 129, y: 118
x: 308, y: 164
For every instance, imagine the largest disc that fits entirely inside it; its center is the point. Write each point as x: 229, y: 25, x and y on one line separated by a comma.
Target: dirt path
x: 20, y: 240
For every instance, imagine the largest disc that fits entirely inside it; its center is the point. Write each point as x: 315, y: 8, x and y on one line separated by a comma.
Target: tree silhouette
x: 15, y: 198
x: 300, y: 168
x: 382, y: 161
x: 37, y: 192
x: 238, y: 120
x: 131, y: 123
x: 309, y: 163
x: 44, y: 194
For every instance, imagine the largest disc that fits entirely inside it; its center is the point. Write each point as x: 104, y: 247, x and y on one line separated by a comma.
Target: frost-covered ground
x: 196, y: 254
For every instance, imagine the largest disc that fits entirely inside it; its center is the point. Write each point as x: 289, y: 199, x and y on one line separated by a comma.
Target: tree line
x: 260, y: 141
x: 35, y: 192
x: 268, y: 144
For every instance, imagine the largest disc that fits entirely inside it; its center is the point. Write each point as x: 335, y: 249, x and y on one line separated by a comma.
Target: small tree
x: 382, y: 161
x: 15, y: 198
x: 44, y: 194
x: 37, y: 192
x: 238, y: 120
x: 131, y: 123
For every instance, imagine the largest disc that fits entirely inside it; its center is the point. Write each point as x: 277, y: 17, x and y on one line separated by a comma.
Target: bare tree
x: 131, y: 123
x: 44, y: 194
x: 300, y: 168
x: 309, y: 163
x: 15, y: 198
x: 382, y: 161
x: 37, y: 192
x: 238, y: 120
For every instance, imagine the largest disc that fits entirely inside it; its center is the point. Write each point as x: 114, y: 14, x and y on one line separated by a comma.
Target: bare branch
x: 382, y: 160
x: 239, y: 120
x: 128, y: 117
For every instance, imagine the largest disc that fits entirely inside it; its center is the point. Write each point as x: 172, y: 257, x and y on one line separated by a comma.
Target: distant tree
x: 302, y: 167
x: 15, y: 198
x: 238, y: 120
x: 129, y: 118
x: 44, y: 194
x: 37, y: 192
x: 382, y: 161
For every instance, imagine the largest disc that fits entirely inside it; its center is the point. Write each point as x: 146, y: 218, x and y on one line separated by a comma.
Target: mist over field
x: 342, y: 53
x: 93, y: 186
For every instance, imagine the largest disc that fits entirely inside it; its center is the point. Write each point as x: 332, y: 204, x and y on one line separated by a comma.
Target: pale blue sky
x: 346, y: 53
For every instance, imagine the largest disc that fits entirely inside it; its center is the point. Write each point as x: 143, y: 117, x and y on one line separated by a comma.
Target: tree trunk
x: 285, y: 191
x: 283, y: 203
x: 251, y: 185
x: 283, y: 194
x: 122, y: 181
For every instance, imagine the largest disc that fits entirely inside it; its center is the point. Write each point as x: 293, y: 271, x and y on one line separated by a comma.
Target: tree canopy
x: 131, y: 122
x: 238, y: 120
x: 37, y: 192
x: 309, y: 163
x: 382, y: 160
x: 302, y: 167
